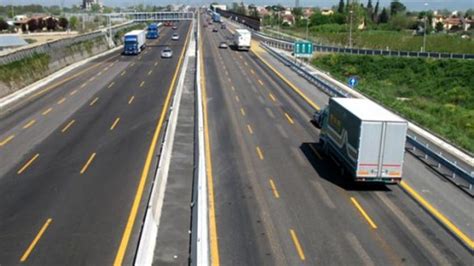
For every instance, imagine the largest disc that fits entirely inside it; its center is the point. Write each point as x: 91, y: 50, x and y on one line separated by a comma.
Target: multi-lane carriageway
x: 75, y: 164
x: 72, y: 172
x: 278, y: 201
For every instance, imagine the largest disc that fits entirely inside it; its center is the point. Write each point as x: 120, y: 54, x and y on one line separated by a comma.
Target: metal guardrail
x: 451, y: 168
x: 363, y: 51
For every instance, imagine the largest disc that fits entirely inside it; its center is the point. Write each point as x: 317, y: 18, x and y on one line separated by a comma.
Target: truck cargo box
x: 368, y: 139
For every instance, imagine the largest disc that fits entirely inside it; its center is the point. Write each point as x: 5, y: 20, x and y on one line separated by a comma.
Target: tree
x: 63, y: 22
x: 297, y: 12
x: 32, y: 25
x: 340, y: 8
x: 383, y: 18
x: 439, y: 27
x: 73, y: 21
x: 3, y: 25
x: 399, y: 22
x: 376, y: 12
x: 212, y: 4
x: 370, y: 10
x: 41, y: 24
x: 95, y: 8
x: 369, y: 4
x: 51, y: 24
x: 397, y: 7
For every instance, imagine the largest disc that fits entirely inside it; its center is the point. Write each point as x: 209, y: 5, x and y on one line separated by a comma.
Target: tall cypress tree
x: 383, y: 16
x: 369, y: 5
x: 376, y: 12
x: 340, y: 8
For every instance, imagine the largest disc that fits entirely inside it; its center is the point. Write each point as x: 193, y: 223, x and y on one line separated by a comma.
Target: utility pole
x: 307, y: 26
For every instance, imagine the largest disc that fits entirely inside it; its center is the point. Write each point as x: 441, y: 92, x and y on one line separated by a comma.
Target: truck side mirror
x: 317, y: 119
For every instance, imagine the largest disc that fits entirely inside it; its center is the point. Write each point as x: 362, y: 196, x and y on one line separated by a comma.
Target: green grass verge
x: 25, y: 69
x: 436, y: 94
x: 394, y: 40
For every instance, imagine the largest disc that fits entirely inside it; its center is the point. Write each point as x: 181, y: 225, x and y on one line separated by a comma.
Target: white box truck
x: 242, y: 38
x: 367, y: 139
x: 134, y: 42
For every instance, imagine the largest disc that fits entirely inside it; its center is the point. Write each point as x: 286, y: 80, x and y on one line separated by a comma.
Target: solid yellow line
x: 310, y: 102
x: 47, y: 111
x: 28, y: 164
x: 142, y: 83
x: 93, y: 101
x: 272, y: 97
x: 68, y: 125
x: 361, y: 210
x: 115, y: 123
x: 146, y: 168
x: 242, y: 111
x: 214, y: 241
x: 131, y: 100
x: 274, y: 189
x: 250, y: 129
x: 73, y: 92
x: 111, y: 84
x: 6, y: 140
x: 260, y: 153
x: 123, y: 72
x: 35, y: 240
x: 89, y: 161
x: 29, y: 124
x: 62, y: 100
x: 237, y: 98
x: 261, y: 82
x: 289, y: 118
x: 297, y: 244
x: 149, y: 72
x: 453, y: 228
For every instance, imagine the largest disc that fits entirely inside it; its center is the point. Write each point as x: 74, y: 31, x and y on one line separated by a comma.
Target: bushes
x: 437, y: 94
x: 24, y: 69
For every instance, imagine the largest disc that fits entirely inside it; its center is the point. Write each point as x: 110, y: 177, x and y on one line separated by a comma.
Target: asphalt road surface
x: 70, y: 173
x: 278, y: 201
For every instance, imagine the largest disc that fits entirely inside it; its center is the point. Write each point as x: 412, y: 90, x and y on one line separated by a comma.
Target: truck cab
x: 152, y: 31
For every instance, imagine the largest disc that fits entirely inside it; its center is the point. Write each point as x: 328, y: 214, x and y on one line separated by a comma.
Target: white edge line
x: 202, y: 245
x: 146, y: 246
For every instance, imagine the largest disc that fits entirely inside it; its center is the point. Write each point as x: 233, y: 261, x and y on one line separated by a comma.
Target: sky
x: 411, y: 4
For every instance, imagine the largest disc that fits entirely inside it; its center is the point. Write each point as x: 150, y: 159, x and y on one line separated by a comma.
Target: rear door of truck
x: 393, y: 150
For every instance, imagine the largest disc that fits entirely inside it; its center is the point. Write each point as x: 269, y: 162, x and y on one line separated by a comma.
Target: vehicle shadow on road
x: 327, y: 169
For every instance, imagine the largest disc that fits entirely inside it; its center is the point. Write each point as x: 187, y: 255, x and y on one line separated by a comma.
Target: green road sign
x: 303, y: 49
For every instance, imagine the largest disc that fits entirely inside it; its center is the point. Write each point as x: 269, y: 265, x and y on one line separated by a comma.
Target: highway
x: 75, y: 160
x: 278, y: 201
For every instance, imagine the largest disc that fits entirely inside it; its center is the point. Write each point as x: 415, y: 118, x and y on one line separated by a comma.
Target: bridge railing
x: 153, y: 16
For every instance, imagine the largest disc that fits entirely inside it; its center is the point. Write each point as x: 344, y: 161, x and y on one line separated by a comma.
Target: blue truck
x: 152, y: 31
x: 134, y: 42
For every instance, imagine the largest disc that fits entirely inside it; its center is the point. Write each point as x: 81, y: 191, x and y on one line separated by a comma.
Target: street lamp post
x: 307, y: 26
x: 424, y: 31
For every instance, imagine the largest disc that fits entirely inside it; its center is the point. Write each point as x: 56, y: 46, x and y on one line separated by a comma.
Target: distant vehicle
x: 214, y: 30
x: 223, y: 27
x: 205, y: 25
x: 167, y: 53
x: 175, y: 37
x: 365, y: 138
x: 168, y: 23
x: 242, y: 38
x: 223, y: 45
x: 216, y: 17
x: 134, y: 42
x: 152, y: 31
x: 175, y: 27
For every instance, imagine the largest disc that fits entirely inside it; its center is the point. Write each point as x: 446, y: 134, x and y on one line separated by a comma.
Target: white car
x: 166, y: 53
x: 223, y: 45
x: 175, y: 37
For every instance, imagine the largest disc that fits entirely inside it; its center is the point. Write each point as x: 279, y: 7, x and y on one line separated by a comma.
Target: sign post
x: 352, y: 81
x: 303, y: 49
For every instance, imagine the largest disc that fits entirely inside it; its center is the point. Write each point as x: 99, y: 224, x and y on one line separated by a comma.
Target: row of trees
x: 40, y: 24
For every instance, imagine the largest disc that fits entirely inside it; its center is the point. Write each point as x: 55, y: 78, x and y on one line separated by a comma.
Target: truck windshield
x: 128, y: 43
